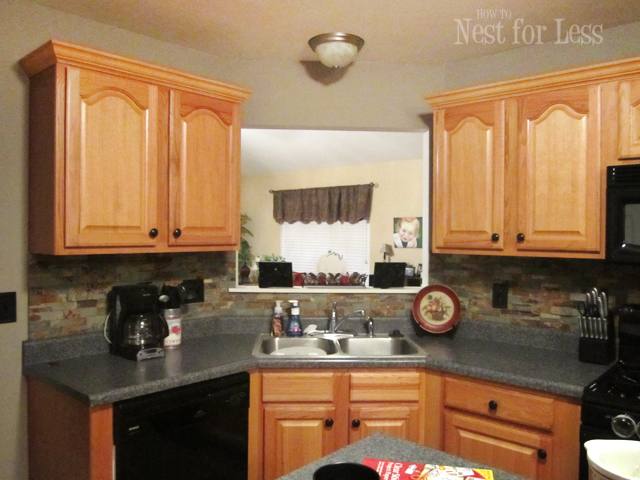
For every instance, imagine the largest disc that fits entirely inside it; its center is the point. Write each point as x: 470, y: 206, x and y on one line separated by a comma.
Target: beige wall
x: 399, y: 194
x: 370, y: 95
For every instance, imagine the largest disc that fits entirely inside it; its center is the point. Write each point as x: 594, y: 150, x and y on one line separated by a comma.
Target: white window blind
x: 304, y: 244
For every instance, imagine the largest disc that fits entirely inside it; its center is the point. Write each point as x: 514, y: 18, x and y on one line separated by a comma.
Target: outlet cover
x: 500, y: 295
x: 193, y: 290
x: 8, y: 307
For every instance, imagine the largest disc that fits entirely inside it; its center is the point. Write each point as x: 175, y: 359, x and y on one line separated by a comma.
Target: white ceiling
x: 275, y: 150
x: 404, y: 31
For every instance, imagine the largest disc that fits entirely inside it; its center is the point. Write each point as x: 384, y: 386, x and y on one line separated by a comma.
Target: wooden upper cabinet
x: 204, y: 166
x: 559, y: 188
x: 469, y: 177
x: 116, y: 167
x: 112, y: 161
x: 526, y: 159
x: 629, y: 119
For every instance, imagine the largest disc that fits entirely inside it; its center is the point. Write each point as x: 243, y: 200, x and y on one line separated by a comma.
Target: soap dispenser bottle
x: 278, y: 319
x: 294, y: 327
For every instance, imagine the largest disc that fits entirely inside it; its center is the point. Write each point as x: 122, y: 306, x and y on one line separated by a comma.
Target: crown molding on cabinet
x: 55, y: 51
x: 547, y: 81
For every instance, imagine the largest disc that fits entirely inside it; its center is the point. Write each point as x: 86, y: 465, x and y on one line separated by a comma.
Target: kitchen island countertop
x: 388, y: 448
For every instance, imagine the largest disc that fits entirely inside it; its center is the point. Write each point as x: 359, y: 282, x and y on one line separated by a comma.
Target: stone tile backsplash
x: 67, y: 295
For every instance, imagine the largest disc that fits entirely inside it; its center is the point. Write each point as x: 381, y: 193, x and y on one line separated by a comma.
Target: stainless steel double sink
x: 349, y: 347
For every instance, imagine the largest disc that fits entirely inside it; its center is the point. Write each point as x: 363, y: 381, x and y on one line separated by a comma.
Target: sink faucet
x: 334, y: 324
x: 370, y: 327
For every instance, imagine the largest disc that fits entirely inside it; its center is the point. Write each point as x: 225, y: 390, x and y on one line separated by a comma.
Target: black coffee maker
x: 135, y: 328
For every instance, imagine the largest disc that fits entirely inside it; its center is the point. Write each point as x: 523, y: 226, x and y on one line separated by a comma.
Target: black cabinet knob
x: 542, y: 454
x: 355, y: 423
x: 328, y: 422
x: 153, y: 233
x: 495, y: 237
x: 493, y: 405
x: 520, y: 237
x: 177, y: 232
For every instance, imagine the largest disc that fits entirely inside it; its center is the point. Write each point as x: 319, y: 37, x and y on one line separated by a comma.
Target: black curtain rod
x: 373, y: 184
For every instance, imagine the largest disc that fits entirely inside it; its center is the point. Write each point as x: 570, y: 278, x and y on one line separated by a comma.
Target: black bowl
x: 345, y: 471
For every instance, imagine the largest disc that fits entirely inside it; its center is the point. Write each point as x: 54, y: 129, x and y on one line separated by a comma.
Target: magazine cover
x: 390, y: 470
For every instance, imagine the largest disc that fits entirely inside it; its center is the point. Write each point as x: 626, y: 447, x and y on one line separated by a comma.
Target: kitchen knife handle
x: 355, y: 423
x: 493, y: 405
x: 328, y: 422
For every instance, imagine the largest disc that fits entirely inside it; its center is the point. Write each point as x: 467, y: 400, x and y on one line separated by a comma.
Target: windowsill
x: 321, y: 290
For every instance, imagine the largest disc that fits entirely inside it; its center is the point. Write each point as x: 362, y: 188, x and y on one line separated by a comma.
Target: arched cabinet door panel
x: 111, y: 161
x: 558, y: 171
x: 203, y: 170
x: 629, y: 119
x: 468, y: 211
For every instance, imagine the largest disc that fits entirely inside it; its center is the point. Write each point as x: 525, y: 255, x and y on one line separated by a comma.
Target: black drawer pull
x: 495, y: 237
x: 355, y: 423
x: 177, y: 232
x: 520, y: 237
x: 153, y: 233
x: 542, y: 454
x: 493, y: 405
x: 328, y: 422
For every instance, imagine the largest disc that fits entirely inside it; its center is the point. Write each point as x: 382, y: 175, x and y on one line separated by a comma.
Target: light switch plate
x: 8, y: 307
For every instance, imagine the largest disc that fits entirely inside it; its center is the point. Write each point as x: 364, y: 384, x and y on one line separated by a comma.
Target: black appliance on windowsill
x: 611, y: 404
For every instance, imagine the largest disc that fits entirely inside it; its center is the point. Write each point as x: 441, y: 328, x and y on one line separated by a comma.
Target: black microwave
x: 623, y: 214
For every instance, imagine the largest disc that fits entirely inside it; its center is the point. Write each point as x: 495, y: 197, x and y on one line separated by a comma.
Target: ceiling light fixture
x: 336, y: 50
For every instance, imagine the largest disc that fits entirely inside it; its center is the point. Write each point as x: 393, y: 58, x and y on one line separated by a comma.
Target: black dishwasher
x: 197, y: 432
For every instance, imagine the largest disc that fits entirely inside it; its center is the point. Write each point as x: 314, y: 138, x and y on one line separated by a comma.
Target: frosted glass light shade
x: 336, y: 50
x: 336, y: 54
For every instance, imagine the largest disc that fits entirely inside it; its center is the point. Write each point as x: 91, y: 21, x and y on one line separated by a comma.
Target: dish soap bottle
x: 294, y: 327
x: 277, y: 320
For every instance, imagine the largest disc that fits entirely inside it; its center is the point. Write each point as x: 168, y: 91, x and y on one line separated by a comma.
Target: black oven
x: 623, y: 214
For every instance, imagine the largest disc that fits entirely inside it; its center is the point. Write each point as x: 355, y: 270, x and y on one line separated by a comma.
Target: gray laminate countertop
x: 104, y: 378
x: 383, y: 447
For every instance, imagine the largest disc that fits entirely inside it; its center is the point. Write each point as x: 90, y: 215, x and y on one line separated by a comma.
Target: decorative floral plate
x: 436, y: 309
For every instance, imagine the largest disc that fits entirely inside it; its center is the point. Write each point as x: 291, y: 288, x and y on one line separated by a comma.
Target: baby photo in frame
x: 407, y: 232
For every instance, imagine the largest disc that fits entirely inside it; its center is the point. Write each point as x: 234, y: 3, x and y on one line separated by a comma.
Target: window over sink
x: 397, y: 163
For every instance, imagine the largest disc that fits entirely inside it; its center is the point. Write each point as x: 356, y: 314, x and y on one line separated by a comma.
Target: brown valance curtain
x: 349, y: 203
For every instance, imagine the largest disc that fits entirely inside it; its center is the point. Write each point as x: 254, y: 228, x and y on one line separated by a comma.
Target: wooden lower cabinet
x: 301, y: 416
x: 296, y: 434
x: 508, y: 447
x: 401, y: 421
x: 532, y: 434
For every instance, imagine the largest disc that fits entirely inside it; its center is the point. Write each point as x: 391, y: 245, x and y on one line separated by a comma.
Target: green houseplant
x: 245, y: 257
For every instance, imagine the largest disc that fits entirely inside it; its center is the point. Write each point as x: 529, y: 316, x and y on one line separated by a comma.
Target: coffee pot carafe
x: 134, y: 327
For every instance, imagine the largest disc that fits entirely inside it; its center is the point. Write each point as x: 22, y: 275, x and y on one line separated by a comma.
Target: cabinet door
x: 469, y: 177
x: 558, y: 171
x: 518, y: 450
x: 112, y: 161
x: 296, y: 434
x: 629, y: 119
x: 401, y: 421
x: 203, y: 173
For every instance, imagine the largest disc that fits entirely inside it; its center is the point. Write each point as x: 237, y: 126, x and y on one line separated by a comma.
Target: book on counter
x: 392, y: 470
